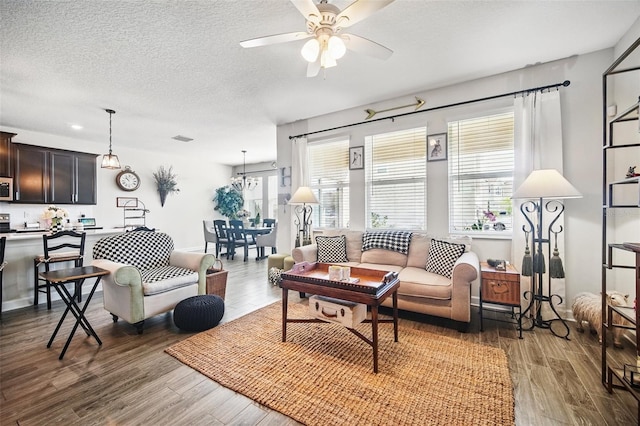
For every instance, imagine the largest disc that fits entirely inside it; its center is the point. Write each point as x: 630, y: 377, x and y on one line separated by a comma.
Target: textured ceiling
x: 175, y: 67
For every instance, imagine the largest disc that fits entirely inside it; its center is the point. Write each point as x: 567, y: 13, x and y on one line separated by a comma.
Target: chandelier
x: 242, y: 182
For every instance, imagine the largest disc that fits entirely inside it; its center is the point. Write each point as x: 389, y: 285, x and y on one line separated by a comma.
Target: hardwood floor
x: 130, y: 380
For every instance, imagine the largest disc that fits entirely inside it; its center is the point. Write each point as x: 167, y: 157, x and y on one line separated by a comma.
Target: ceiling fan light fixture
x: 336, y: 47
x: 310, y: 50
x: 326, y: 60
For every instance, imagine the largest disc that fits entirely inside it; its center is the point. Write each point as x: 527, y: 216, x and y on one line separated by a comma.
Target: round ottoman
x: 198, y: 313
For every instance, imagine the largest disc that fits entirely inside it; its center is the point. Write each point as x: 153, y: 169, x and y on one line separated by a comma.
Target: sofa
x: 147, y: 276
x: 436, y: 274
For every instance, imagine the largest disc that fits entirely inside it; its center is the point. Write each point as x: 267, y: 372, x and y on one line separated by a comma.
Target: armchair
x: 148, y: 276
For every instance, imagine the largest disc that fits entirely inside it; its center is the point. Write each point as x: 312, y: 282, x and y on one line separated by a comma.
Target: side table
x: 500, y: 288
x: 78, y: 275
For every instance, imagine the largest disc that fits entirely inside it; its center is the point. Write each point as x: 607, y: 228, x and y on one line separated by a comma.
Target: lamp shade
x: 303, y: 195
x: 546, y: 183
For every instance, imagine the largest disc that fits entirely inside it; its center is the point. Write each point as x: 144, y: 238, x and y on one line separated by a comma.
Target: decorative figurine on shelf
x: 632, y: 172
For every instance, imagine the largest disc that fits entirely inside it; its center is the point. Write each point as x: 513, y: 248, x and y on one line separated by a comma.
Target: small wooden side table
x: 500, y: 288
x: 77, y: 275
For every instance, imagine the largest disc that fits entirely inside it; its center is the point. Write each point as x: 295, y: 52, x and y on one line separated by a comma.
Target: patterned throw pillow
x: 275, y: 276
x: 388, y: 240
x: 332, y: 249
x: 442, y: 257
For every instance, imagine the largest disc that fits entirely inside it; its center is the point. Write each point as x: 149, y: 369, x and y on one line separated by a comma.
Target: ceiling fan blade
x: 359, y: 10
x: 308, y: 9
x: 366, y: 46
x: 274, y: 39
x: 313, y: 68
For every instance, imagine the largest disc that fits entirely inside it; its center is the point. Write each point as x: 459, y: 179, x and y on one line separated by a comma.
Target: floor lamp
x: 303, y: 197
x: 542, y: 189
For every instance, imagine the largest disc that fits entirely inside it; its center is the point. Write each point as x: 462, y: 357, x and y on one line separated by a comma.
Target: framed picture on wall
x: 131, y: 202
x: 356, y: 158
x: 437, y: 147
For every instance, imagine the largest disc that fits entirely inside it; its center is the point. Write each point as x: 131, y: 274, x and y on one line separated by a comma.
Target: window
x: 481, y: 161
x: 329, y: 179
x: 396, y: 179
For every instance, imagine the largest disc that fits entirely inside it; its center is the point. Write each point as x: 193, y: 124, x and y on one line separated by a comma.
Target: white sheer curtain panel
x: 537, y: 145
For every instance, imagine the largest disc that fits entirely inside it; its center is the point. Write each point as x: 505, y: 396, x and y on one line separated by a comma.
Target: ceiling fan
x: 324, y: 29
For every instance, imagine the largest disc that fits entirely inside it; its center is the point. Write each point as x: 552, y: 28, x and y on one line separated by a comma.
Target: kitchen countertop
x: 31, y: 235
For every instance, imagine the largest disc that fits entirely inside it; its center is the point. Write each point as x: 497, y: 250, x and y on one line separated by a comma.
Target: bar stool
x: 73, y: 241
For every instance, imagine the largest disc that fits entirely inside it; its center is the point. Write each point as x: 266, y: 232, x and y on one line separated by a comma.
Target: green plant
x: 165, y: 182
x: 228, y: 202
x: 378, y: 221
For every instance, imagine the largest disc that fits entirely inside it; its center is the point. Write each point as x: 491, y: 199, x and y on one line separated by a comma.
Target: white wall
x: 182, y: 215
x: 581, y: 110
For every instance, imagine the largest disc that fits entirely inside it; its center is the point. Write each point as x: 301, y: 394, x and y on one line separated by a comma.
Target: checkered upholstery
x: 442, y: 256
x: 149, y: 252
x: 144, y: 250
x: 389, y: 240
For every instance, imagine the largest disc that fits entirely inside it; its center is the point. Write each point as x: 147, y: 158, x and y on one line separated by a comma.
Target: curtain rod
x: 392, y: 117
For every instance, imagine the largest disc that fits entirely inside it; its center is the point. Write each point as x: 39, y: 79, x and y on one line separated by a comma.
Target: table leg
x: 394, y: 297
x: 374, y: 332
x: 77, y: 312
x: 285, y: 301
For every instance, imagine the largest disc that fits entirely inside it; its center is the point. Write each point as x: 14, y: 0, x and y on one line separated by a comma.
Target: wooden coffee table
x: 372, y: 288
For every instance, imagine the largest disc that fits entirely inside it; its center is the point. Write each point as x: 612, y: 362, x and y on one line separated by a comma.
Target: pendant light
x: 110, y: 161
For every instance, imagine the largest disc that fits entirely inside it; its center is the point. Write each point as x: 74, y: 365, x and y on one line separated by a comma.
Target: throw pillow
x: 387, y: 240
x: 332, y: 249
x: 442, y: 257
x: 275, y: 276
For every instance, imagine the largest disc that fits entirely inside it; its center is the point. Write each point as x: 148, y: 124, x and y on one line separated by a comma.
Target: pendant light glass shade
x: 242, y: 182
x: 110, y: 161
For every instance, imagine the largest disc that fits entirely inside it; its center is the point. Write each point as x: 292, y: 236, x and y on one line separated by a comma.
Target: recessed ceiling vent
x: 182, y: 138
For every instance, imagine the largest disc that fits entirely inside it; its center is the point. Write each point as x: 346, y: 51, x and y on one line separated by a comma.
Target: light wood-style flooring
x: 130, y: 380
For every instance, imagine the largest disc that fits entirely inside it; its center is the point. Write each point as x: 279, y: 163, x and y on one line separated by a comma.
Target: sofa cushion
x: 165, y: 278
x: 332, y: 249
x: 397, y: 241
x: 384, y: 257
x: 421, y: 283
x: 442, y: 257
x: 418, y: 250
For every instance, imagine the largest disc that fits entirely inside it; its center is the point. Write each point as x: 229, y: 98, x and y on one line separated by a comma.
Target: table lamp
x: 303, y: 197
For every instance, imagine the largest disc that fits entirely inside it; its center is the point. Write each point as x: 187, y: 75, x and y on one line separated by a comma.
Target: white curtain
x: 299, y: 176
x: 538, y: 145
x: 299, y: 169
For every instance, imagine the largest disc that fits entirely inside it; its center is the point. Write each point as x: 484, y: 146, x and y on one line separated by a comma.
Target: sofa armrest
x: 465, y: 271
x: 122, y: 290
x: 308, y: 253
x: 198, y: 262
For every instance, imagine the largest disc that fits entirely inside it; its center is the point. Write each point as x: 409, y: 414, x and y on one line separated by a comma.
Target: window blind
x: 395, y: 170
x: 328, y: 163
x: 481, y: 158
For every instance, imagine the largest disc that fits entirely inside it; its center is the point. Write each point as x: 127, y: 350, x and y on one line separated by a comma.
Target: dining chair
x: 3, y: 243
x: 267, y: 240
x: 222, y: 236
x: 210, y: 235
x: 239, y: 238
x: 269, y: 222
x: 72, y: 245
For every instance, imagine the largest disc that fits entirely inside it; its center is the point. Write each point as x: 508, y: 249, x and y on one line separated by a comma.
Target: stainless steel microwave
x: 6, y: 189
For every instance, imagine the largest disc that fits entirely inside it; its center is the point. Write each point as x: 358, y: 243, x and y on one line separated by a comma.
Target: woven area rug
x: 323, y: 374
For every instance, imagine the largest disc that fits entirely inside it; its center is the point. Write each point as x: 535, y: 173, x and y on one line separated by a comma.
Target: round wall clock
x: 128, y: 180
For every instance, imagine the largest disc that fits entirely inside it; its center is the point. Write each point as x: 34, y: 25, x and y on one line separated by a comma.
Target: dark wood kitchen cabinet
x: 5, y: 153
x: 30, y: 182
x: 54, y: 176
x: 72, y: 178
